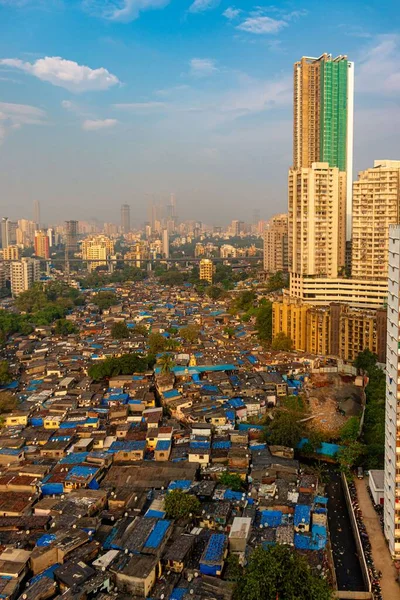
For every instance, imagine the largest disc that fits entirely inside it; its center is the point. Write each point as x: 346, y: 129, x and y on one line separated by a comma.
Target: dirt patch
x: 332, y: 400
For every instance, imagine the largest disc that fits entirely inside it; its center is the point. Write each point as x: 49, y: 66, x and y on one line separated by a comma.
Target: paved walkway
x: 380, y: 552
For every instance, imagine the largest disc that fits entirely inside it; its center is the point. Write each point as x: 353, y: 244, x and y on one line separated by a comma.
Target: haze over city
x: 105, y: 102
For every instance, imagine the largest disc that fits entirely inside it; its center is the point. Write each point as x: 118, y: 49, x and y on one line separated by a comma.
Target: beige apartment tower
x: 276, y: 244
x: 376, y: 206
x: 317, y: 220
x: 206, y: 270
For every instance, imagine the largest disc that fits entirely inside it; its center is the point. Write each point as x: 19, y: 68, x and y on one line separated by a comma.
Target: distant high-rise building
x: 125, y: 218
x: 5, y: 232
x: 97, y: 250
x: 376, y: 198
x: 71, y: 235
x: 11, y: 253
x: 165, y: 243
x: 36, y: 213
x: 42, y: 244
x: 24, y: 273
x: 317, y: 207
x: 206, y: 270
x: 392, y: 406
x: 323, y: 116
x: 276, y: 244
x: 237, y: 227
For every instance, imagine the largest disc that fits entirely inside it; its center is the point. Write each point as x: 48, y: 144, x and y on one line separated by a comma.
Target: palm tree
x: 166, y: 363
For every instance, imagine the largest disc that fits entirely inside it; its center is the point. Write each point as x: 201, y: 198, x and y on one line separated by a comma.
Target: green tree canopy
x: 179, y: 505
x: 282, y: 342
x: 104, y: 300
x: 279, y: 572
x: 264, y: 322
x: 285, y: 429
x: 120, y: 331
x: 157, y: 343
x: 127, y: 364
x: 233, y: 481
x: 349, y: 456
x: 366, y: 360
x: 166, y: 362
x: 65, y: 327
x: 277, y: 281
x: 190, y: 333
x: 5, y: 374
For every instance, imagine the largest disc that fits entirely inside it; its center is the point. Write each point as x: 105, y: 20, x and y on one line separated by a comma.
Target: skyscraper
x: 165, y: 243
x: 71, y: 236
x: 276, y: 244
x: 323, y: 116
x: 317, y: 204
x: 36, y: 213
x: 42, y: 244
x: 376, y: 197
x: 5, y: 232
x: 392, y: 407
x: 125, y: 218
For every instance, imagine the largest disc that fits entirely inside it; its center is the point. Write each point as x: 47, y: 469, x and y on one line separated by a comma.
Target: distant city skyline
x: 206, y: 113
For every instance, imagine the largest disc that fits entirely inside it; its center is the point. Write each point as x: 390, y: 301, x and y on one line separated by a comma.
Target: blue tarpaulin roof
x: 302, y: 514
x: 215, y: 550
x: 272, y: 518
x: 157, y: 535
x: 180, y: 484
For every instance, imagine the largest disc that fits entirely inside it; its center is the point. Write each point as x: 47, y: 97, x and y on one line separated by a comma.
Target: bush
x: 179, y: 505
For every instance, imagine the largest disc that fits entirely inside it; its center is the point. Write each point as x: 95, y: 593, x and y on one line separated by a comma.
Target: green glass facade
x: 333, y: 112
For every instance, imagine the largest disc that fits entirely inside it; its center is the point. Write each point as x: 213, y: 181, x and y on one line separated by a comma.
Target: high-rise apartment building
x: 71, y: 236
x: 376, y: 206
x: 317, y: 227
x: 392, y: 408
x: 5, y: 232
x: 165, y: 243
x: 36, y: 213
x: 125, y: 218
x: 42, y: 244
x: 323, y: 116
x: 276, y: 244
x: 24, y: 273
x: 97, y: 250
x: 11, y: 253
x: 206, y: 270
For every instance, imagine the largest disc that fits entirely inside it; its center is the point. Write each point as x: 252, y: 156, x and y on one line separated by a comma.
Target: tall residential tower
x: 323, y: 116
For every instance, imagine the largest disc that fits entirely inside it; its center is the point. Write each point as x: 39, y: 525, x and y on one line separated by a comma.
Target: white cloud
x: 14, y: 116
x: 140, y: 106
x: 231, y: 13
x: 262, y: 25
x: 199, y: 6
x: 379, y: 67
x: 256, y: 96
x: 65, y: 73
x: 122, y: 10
x: 202, y: 67
x: 96, y: 124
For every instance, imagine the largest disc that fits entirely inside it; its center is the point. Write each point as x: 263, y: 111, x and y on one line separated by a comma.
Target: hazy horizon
x: 105, y: 102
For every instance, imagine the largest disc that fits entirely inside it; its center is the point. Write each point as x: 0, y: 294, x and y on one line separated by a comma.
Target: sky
x: 105, y: 102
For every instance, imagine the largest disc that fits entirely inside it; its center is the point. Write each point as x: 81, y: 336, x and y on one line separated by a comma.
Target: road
x: 347, y: 566
x: 380, y: 552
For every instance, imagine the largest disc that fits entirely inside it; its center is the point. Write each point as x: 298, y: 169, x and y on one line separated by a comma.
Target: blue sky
x: 104, y: 102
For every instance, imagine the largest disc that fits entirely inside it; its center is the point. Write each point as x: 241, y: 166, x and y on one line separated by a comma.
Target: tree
x: 157, y: 343
x: 245, y: 300
x: 190, y: 333
x: 282, y: 342
x: 349, y: 456
x: 166, y: 362
x: 5, y: 374
x: 179, y: 505
x: 264, y: 322
x: 229, y: 331
x: 214, y: 292
x: 8, y: 402
x: 276, y: 282
x: 233, y: 481
x: 104, y: 300
x: 349, y: 431
x: 141, y: 329
x: 285, y: 429
x: 65, y: 327
x: 127, y: 364
x: 120, y: 331
x: 366, y: 360
x: 279, y: 572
